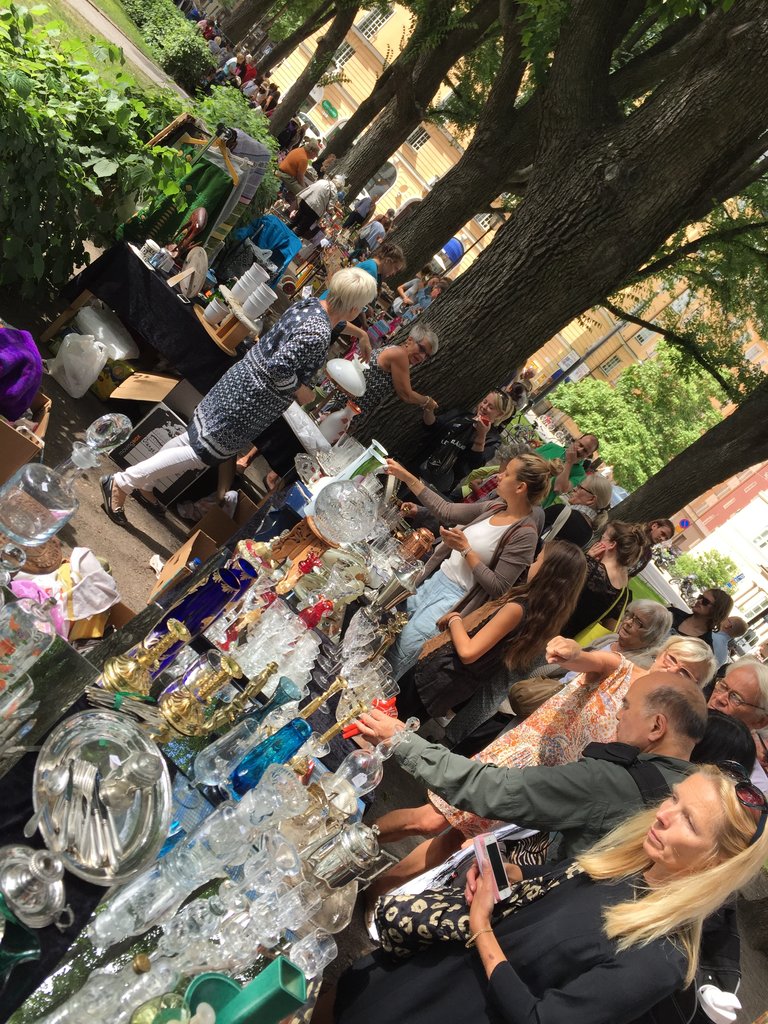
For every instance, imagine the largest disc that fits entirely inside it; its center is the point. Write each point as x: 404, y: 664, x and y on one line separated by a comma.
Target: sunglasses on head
x: 747, y: 794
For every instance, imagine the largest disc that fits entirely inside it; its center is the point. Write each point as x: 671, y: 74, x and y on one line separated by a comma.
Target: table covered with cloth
x: 143, y: 301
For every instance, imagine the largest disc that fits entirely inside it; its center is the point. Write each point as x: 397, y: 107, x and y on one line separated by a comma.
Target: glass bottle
x: 26, y: 633
x: 218, y: 760
x: 276, y: 749
x: 363, y: 769
x: 37, y: 501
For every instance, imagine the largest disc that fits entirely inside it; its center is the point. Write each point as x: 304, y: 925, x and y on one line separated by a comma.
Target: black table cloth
x: 143, y: 301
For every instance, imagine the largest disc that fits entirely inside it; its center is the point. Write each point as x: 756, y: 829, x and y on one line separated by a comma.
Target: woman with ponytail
x: 602, y: 940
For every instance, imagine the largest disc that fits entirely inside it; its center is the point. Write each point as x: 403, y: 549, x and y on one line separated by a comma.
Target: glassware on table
x: 344, y: 512
x: 26, y: 632
x: 216, y: 762
x: 276, y: 749
x: 37, y: 501
x: 31, y: 883
x: 313, y: 953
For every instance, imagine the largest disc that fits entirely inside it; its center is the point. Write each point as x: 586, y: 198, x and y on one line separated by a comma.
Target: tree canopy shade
x: 709, y: 569
x: 655, y: 410
x: 608, y: 184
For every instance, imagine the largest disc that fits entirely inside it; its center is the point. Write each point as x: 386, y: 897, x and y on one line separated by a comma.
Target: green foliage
x: 231, y: 107
x: 647, y: 418
x: 74, y: 151
x: 709, y: 569
x: 178, y: 45
x: 727, y: 281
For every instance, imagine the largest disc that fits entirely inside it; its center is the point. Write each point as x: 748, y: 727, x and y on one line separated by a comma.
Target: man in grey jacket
x: 663, y: 716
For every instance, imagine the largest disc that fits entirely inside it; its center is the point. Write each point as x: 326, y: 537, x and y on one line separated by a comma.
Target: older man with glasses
x: 743, y: 693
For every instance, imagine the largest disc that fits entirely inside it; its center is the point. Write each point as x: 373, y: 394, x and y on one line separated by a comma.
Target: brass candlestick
x: 301, y: 763
x: 389, y: 634
x: 184, y: 711
x: 339, y: 684
x: 229, y: 712
x: 131, y: 671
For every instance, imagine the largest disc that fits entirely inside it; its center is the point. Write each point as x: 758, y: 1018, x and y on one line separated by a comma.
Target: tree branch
x: 651, y: 269
x: 576, y: 95
x: 636, y: 33
x: 682, y: 342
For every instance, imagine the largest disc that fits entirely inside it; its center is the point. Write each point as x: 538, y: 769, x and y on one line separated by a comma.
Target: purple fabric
x: 21, y: 371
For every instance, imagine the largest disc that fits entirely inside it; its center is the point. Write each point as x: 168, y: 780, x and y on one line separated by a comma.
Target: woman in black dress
x: 600, y: 941
x: 608, y: 564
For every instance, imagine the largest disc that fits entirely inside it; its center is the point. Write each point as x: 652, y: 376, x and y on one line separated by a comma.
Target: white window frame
x: 373, y: 22
x: 344, y: 54
x: 484, y: 220
x: 418, y: 138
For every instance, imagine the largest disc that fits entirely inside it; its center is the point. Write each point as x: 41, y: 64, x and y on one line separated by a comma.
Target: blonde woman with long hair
x: 602, y: 940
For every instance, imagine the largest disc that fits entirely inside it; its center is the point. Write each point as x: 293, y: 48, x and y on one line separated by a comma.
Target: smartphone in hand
x: 489, y: 860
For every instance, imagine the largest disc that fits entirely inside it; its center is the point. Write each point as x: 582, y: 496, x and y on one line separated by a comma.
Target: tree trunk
x: 327, y: 45
x: 316, y: 20
x: 386, y: 83
x: 733, y: 445
x: 413, y: 93
x: 244, y: 17
x: 596, y: 208
x: 501, y: 153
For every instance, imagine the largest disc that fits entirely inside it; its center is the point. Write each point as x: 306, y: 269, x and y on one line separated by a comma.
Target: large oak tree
x: 608, y: 183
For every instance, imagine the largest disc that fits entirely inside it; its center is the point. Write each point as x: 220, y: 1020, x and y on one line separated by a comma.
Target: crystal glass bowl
x: 345, y: 512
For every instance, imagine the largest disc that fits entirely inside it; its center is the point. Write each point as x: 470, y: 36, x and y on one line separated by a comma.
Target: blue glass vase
x: 215, y: 763
x: 245, y: 571
x: 197, y: 610
x: 276, y: 749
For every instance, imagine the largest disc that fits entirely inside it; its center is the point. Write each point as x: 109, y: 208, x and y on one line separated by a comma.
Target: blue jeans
x: 434, y: 598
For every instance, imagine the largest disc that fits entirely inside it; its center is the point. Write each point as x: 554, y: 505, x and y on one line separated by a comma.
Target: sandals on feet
x: 117, y: 515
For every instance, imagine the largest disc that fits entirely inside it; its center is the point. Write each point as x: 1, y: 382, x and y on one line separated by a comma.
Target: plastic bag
x: 105, y: 327
x: 78, y: 363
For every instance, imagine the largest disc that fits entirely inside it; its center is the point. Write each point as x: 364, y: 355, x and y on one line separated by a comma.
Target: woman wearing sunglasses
x: 709, y: 611
x: 390, y: 372
x: 601, y: 940
x: 585, y: 514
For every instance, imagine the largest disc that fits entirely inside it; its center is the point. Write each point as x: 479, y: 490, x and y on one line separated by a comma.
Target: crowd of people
x: 622, y: 737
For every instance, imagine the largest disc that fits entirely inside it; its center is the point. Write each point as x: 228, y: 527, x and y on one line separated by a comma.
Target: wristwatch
x: 465, y: 551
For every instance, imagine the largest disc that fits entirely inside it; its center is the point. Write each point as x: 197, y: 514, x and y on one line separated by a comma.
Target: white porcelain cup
x: 241, y: 289
x: 254, y: 306
x: 253, y: 280
x: 259, y: 274
x: 266, y: 294
x: 215, y: 312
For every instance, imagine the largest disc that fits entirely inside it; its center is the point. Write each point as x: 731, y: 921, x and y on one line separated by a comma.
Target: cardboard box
x: 198, y: 545
x: 95, y: 626
x: 177, y: 395
x: 217, y: 524
x: 17, y: 449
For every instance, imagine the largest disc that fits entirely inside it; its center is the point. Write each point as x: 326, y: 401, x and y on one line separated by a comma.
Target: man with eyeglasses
x: 743, y: 693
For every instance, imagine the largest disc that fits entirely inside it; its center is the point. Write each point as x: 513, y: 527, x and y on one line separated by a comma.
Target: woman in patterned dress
x: 583, y: 712
x: 251, y: 395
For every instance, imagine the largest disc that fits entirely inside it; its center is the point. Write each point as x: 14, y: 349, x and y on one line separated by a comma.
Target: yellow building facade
x: 431, y: 150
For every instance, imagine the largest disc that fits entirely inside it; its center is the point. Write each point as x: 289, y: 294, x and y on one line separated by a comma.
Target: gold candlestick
x: 339, y: 684
x: 131, y: 671
x: 389, y: 634
x: 184, y: 711
x: 300, y: 763
x: 229, y: 712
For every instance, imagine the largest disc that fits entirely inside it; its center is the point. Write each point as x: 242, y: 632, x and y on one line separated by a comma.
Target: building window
x: 753, y: 352
x: 484, y: 220
x: 417, y: 139
x: 644, y: 335
x: 610, y: 364
x: 762, y: 539
x: 682, y: 300
x: 373, y: 21
x: 344, y: 53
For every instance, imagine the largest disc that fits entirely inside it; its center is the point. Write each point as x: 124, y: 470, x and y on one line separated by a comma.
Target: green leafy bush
x: 74, y: 152
x: 229, y: 106
x: 178, y: 45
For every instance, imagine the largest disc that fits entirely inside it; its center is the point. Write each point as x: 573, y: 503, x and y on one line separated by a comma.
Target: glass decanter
x: 277, y: 749
x: 218, y: 760
x: 37, y: 501
x: 362, y: 770
x: 115, y: 996
x: 26, y: 632
x: 345, y: 512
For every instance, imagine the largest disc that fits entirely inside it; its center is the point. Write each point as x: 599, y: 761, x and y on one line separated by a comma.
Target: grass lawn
x: 76, y: 27
x: 640, y: 589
